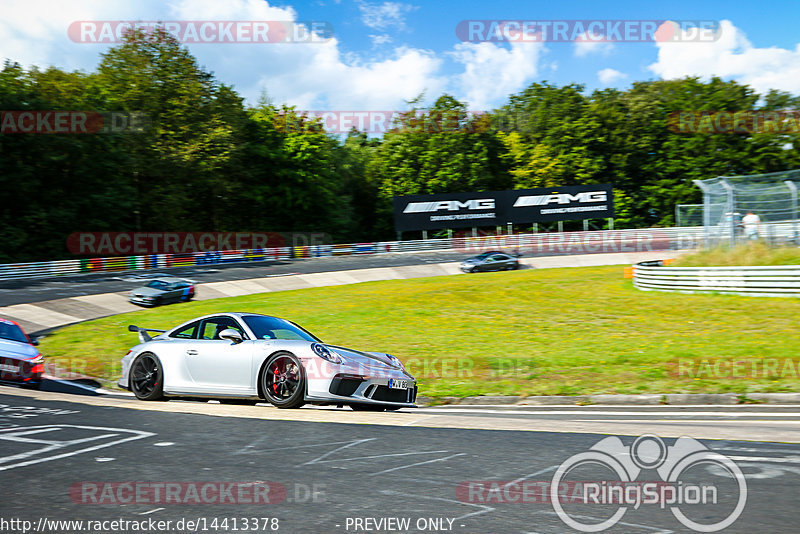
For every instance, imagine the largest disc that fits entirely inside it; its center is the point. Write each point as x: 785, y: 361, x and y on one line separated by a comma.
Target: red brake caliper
x: 274, y: 379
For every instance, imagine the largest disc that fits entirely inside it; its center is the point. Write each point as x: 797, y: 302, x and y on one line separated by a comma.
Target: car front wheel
x: 283, y: 381
x: 147, y: 377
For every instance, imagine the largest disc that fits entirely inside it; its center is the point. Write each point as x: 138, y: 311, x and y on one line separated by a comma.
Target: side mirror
x: 34, y: 342
x: 231, y: 335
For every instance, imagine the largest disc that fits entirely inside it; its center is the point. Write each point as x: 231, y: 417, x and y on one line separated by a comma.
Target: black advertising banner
x: 566, y: 203
x: 454, y: 210
x: 497, y: 208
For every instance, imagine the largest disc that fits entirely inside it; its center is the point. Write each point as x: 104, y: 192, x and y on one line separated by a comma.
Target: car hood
x: 16, y: 349
x: 471, y: 260
x: 147, y: 291
x: 355, y: 358
x: 365, y: 358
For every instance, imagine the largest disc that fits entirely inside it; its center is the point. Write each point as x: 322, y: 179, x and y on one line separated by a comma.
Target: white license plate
x: 9, y: 368
x: 395, y: 383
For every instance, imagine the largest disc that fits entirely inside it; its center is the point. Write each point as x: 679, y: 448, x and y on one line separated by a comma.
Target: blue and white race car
x: 20, y: 360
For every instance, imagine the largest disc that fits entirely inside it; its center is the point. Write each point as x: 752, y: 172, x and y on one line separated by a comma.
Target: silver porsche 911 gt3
x: 247, y: 357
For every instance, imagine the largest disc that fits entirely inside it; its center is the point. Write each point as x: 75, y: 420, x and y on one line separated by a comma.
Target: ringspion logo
x: 698, y: 504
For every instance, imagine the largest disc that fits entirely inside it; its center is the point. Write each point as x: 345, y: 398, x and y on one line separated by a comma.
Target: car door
x: 219, y: 365
x: 492, y: 263
x: 173, y: 292
x: 486, y: 264
x: 502, y: 261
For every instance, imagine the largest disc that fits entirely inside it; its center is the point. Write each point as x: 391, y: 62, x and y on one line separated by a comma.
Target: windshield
x: 12, y: 332
x: 158, y: 284
x: 273, y: 328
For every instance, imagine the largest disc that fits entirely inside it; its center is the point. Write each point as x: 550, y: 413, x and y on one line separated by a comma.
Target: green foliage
x: 209, y: 163
x: 751, y: 253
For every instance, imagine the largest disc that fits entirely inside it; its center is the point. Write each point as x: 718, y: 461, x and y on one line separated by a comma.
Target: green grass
x: 752, y: 253
x: 529, y: 332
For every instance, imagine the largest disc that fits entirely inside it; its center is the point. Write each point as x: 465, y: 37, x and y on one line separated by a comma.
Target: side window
x: 187, y: 332
x: 213, y: 326
x: 499, y: 257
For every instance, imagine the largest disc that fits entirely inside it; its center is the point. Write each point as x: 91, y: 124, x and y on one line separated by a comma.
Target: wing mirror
x: 231, y: 335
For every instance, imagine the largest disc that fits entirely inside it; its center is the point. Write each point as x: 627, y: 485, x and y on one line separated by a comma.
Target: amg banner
x: 497, y: 208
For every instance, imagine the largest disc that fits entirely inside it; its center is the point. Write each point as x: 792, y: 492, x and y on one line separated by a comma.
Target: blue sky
x: 384, y: 53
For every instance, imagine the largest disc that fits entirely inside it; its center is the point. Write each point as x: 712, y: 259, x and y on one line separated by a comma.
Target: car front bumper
x: 346, y: 388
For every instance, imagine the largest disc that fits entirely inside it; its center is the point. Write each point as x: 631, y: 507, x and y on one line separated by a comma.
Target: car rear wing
x: 144, y: 333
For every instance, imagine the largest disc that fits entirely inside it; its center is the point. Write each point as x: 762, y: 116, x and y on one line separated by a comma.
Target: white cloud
x: 311, y: 76
x: 385, y: 16
x: 492, y: 72
x: 380, y: 39
x: 731, y: 56
x: 608, y: 76
x: 592, y: 43
x: 34, y: 32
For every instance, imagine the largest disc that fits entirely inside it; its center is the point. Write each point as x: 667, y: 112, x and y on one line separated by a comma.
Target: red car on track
x: 20, y: 360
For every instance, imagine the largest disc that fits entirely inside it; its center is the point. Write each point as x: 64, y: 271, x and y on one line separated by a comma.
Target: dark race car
x: 20, y: 361
x: 490, y: 261
x: 165, y: 290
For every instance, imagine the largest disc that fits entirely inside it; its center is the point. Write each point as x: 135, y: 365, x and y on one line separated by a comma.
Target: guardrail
x: 770, y: 281
x: 541, y: 244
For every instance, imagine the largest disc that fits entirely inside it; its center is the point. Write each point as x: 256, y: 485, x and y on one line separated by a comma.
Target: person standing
x: 752, y: 224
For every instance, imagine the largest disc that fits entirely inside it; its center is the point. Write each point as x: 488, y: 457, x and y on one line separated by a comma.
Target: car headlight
x: 395, y: 361
x: 326, y: 354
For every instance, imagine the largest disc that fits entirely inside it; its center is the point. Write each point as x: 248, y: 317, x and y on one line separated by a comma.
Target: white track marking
x: 609, y: 412
x: 753, y: 449
x: 50, y: 445
x: 152, y: 511
x: 388, y: 455
x: 418, y: 463
x: 19, y: 436
x: 484, y: 509
x: 768, y: 459
x: 526, y: 477
x: 349, y: 444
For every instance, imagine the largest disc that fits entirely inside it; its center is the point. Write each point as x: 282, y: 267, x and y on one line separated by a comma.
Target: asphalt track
x: 27, y: 291
x: 37, y: 290
x: 338, y: 466
x: 342, y: 471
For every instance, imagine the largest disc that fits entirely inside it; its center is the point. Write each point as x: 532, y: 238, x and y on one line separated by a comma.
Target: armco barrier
x: 541, y: 244
x: 772, y: 281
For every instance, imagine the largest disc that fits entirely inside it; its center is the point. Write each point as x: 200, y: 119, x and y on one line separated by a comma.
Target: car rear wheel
x: 283, y: 381
x: 147, y: 377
